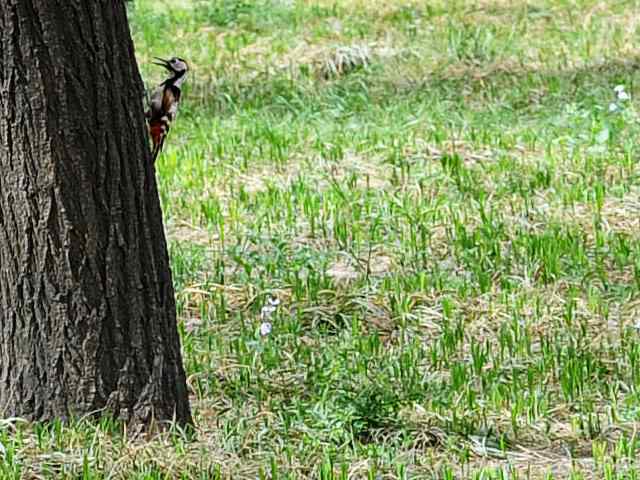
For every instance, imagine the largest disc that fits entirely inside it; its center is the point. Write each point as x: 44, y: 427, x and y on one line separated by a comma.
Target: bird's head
x: 175, y: 65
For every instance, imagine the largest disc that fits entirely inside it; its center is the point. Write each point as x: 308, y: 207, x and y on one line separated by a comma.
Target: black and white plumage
x: 164, y: 103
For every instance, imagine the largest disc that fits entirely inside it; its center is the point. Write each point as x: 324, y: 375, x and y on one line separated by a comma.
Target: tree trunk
x: 87, y: 308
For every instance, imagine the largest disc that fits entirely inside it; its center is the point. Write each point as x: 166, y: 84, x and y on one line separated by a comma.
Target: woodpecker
x: 164, y: 102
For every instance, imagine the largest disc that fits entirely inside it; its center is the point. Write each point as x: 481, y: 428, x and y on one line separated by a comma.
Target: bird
x: 164, y: 102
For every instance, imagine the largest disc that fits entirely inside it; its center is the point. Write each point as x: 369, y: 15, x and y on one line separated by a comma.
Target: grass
x: 447, y: 210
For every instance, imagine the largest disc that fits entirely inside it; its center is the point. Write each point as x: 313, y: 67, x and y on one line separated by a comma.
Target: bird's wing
x: 170, y: 104
x: 156, y: 103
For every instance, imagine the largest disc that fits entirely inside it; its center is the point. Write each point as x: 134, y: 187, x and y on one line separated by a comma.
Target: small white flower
x: 269, y: 308
x: 623, y: 96
x: 618, y: 89
x: 265, y: 328
x: 274, y: 301
x: 266, y: 311
x: 265, y: 314
x: 613, y: 107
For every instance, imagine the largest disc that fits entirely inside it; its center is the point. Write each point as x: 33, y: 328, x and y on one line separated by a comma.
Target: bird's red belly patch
x: 156, y: 130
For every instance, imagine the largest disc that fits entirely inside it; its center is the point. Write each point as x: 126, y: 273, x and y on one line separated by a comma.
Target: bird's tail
x: 158, y: 132
x: 157, y: 148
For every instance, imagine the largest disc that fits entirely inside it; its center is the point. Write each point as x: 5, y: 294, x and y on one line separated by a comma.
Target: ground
x: 442, y: 196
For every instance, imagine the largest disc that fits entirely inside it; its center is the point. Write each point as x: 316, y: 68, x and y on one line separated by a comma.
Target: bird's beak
x: 162, y: 62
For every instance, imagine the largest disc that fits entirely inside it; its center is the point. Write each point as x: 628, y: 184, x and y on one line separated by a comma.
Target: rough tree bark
x: 87, y: 309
